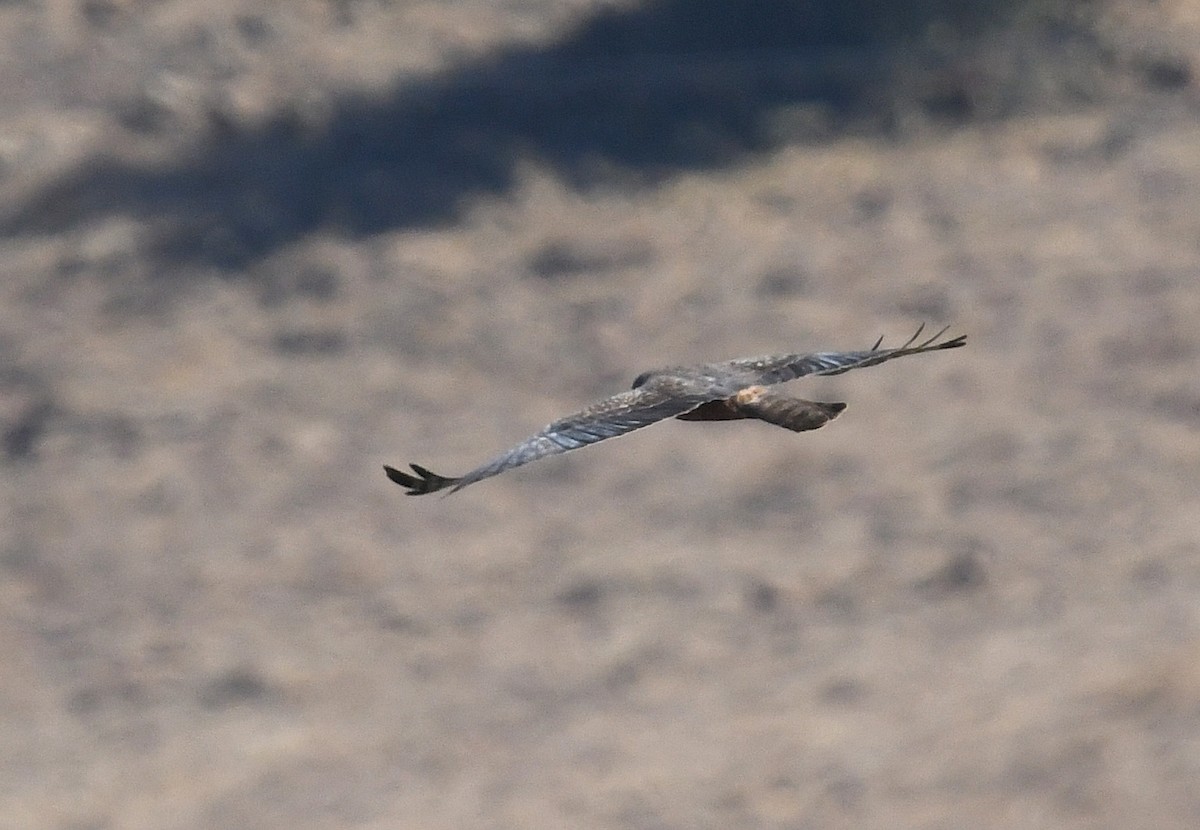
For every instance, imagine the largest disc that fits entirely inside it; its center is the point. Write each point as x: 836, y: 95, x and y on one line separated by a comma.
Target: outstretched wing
x: 780, y: 368
x: 657, y: 400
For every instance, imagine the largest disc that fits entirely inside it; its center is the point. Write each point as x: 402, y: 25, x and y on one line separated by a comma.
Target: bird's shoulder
x: 705, y: 379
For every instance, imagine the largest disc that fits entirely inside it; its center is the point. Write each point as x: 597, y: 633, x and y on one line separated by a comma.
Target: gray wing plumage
x: 657, y: 400
x: 780, y: 368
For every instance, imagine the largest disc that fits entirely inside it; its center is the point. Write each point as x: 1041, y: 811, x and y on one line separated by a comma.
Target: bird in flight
x: 725, y: 391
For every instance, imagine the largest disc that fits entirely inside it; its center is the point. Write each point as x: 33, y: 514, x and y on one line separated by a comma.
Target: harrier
x: 709, y: 392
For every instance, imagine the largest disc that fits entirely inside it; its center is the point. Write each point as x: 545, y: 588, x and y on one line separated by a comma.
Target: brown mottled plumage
x: 726, y: 391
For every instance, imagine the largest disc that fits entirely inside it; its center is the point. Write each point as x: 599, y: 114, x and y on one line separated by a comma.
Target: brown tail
x: 790, y: 413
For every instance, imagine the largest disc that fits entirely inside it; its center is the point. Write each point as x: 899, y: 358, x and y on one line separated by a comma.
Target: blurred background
x: 254, y: 250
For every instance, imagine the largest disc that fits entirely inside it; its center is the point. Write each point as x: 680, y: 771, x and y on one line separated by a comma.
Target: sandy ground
x: 252, y: 251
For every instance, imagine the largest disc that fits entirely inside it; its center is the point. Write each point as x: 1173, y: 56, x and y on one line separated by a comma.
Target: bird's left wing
x: 780, y: 368
x: 655, y: 401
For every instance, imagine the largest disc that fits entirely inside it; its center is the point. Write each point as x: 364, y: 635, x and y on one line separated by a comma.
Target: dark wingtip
x: 930, y: 344
x: 423, y: 482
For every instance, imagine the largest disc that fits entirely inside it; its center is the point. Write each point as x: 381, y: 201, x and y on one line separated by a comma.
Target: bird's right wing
x: 780, y: 368
x: 655, y: 401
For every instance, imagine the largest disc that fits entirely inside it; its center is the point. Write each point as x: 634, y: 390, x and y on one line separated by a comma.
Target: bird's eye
x: 640, y: 380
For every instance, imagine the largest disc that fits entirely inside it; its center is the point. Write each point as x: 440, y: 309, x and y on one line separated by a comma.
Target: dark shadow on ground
x: 629, y: 96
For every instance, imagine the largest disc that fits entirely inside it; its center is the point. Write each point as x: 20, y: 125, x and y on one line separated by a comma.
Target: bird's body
x: 731, y: 390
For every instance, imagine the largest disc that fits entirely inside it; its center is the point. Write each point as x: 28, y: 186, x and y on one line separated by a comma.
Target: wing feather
x: 780, y: 368
x: 655, y: 401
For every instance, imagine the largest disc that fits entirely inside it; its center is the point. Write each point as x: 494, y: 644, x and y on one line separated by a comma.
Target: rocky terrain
x: 252, y: 251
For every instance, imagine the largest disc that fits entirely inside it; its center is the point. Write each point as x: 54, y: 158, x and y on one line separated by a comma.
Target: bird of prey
x: 724, y: 391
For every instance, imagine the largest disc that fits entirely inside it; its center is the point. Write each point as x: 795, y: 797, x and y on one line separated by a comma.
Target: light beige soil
x: 972, y: 601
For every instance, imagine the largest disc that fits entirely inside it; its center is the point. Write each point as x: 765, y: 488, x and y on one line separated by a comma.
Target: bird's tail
x: 790, y: 413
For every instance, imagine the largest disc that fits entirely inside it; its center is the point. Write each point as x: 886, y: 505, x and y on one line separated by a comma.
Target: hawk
x: 725, y: 391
